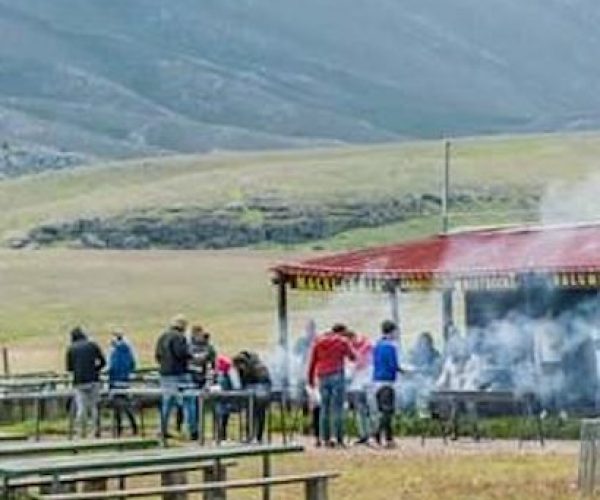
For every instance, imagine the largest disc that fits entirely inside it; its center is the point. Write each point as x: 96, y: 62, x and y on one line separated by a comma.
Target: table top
x: 64, y: 465
x: 483, y: 396
x: 30, y: 448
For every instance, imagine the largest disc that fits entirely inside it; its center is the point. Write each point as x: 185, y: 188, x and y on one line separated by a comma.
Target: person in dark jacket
x: 121, y: 363
x: 254, y: 376
x: 172, y: 355
x: 85, y: 360
x: 203, y: 357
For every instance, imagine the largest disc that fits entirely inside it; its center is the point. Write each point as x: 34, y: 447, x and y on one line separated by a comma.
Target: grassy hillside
x: 356, y: 173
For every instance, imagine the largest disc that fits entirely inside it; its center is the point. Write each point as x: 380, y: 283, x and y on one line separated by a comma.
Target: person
x: 461, y: 371
x: 360, y: 379
x: 386, y: 367
x: 425, y: 358
x: 172, y: 355
x: 308, y: 397
x: 121, y: 364
x: 85, y: 360
x: 225, y: 380
x: 326, y: 365
x: 549, y: 346
x: 203, y: 357
x: 254, y: 376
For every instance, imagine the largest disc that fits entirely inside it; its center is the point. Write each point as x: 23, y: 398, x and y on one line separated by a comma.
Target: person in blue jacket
x: 386, y: 367
x: 121, y: 364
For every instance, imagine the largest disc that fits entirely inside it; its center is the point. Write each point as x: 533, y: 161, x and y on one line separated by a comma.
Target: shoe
x: 194, y: 436
x: 362, y: 441
x: 318, y: 443
x: 330, y: 444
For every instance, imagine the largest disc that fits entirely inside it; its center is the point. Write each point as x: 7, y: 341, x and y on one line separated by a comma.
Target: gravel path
x: 435, y: 447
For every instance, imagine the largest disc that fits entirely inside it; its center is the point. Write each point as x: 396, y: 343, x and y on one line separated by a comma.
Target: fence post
x: 588, y: 456
x: 5, y: 364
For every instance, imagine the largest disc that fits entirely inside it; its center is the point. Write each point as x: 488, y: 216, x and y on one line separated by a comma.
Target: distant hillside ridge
x: 260, y: 220
x: 89, y: 79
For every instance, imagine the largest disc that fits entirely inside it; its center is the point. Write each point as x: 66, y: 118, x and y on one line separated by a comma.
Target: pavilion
x: 536, y: 270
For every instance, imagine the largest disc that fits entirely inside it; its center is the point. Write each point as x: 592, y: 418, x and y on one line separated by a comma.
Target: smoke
x: 571, y: 202
x: 544, y: 344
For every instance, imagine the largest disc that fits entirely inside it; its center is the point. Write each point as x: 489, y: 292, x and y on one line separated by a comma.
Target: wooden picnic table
x: 467, y: 401
x: 11, y: 450
x: 203, y: 397
x: 56, y: 467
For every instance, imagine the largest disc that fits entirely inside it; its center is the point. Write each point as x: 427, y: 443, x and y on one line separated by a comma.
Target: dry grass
x: 45, y: 293
x: 486, y: 471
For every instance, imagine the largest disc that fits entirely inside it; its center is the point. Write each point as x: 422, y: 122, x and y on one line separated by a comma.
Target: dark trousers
x: 316, y: 419
x: 333, y: 396
x: 386, y: 406
x: 122, y: 404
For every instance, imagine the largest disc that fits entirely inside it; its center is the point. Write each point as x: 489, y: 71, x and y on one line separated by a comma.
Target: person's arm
x: 181, y: 349
x: 212, y: 357
x: 312, y: 366
x: 350, y: 352
x: 158, y: 351
x: 69, y: 360
x: 100, y: 359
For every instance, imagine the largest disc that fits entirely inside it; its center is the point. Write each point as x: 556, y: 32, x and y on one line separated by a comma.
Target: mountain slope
x: 121, y: 78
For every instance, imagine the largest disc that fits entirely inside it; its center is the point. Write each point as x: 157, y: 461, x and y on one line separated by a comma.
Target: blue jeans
x: 333, y: 392
x: 172, y: 385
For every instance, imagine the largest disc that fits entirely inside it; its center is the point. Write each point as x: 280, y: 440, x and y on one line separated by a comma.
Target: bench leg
x: 316, y: 489
x: 95, y: 485
x: 214, y: 474
x: 70, y: 487
x: 171, y: 479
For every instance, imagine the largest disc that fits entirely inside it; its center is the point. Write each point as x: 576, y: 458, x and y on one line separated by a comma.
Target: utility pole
x: 446, y: 187
x: 447, y: 294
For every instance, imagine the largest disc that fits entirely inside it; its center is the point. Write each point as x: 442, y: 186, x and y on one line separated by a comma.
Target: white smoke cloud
x: 571, y: 201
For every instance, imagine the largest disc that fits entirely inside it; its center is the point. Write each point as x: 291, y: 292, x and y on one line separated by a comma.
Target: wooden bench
x: 61, y: 466
x: 12, y: 436
x: 11, y: 450
x: 315, y: 488
x: 99, y: 478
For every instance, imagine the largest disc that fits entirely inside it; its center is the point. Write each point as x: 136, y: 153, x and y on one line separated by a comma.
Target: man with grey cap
x: 172, y: 355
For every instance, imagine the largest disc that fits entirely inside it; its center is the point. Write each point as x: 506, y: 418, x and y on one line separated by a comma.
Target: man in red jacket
x: 329, y: 352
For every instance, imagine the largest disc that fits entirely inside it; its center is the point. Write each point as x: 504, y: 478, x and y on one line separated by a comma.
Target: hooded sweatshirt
x: 121, y: 363
x: 84, y: 359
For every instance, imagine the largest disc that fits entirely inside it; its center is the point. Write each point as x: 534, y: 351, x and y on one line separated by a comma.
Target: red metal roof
x: 472, y: 253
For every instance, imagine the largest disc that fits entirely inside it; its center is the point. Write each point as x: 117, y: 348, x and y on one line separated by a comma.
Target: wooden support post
x: 266, y: 473
x: 216, y: 473
x: 171, y: 479
x: 95, y: 484
x: 394, y: 297
x: 447, y: 311
x: 282, y: 317
x: 316, y: 489
x: 5, y: 363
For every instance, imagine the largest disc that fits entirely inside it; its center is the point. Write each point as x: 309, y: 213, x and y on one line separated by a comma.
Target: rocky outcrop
x: 24, y: 160
x: 258, y: 220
